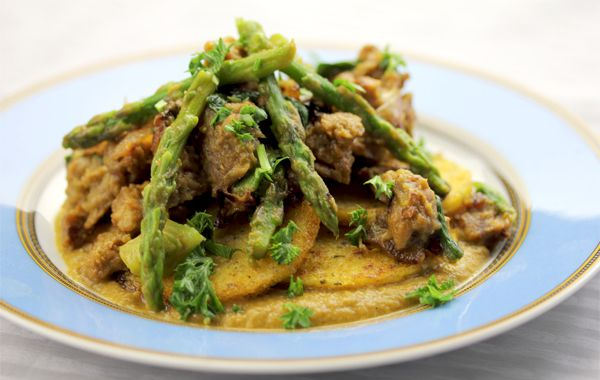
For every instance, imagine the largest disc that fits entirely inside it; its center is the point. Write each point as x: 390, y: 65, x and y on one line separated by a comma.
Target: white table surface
x: 551, y: 47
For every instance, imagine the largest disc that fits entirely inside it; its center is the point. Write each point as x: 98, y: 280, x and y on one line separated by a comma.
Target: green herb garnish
x: 237, y: 309
x: 296, y: 316
x: 282, y: 250
x: 161, y: 105
x: 434, y: 294
x: 249, y: 118
x: 391, y: 60
x: 218, y: 249
x: 358, y: 220
x: 296, y: 287
x: 381, y: 187
x: 193, y: 292
x: 212, y: 58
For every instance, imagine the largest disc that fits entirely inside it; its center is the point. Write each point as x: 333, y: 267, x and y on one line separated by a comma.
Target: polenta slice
x: 336, y: 264
x: 243, y: 276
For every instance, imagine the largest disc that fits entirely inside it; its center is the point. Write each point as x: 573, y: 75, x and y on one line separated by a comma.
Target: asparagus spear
x: 289, y: 133
x: 112, y: 124
x: 269, y: 213
x: 164, y: 169
x: 397, y: 140
x: 449, y: 247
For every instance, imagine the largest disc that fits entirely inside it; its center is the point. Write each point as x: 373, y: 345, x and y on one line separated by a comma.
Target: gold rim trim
x: 571, y: 283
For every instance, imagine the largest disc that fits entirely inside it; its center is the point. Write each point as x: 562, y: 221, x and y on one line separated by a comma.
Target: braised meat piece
x: 103, y: 258
x: 127, y: 211
x: 226, y: 158
x: 482, y: 222
x: 90, y: 193
x: 410, y: 218
x: 330, y: 139
x: 95, y: 177
x: 383, y: 88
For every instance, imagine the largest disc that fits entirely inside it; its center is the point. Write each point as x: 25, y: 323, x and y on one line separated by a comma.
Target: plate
x: 544, y: 159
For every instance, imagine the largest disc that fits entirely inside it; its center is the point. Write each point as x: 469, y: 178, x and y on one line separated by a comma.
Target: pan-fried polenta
x: 261, y: 192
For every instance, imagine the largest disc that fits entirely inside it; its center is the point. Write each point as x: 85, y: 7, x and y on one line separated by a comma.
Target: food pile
x: 212, y: 191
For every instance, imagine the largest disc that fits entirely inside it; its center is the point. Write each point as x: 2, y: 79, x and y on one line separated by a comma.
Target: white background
x: 552, y: 47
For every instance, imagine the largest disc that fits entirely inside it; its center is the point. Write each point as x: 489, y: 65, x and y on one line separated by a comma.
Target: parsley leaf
x: 203, y: 221
x: 215, y: 101
x: 433, y: 293
x: 213, y: 58
x: 249, y: 118
x: 237, y: 309
x: 193, y: 291
x: 358, y: 218
x: 381, y: 187
x: 296, y: 316
x: 281, y: 249
x: 296, y: 287
x: 218, y: 249
x: 240, y: 130
x: 205, y: 224
x: 352, y: 87
x: 391, y: 60
x: 161, y: 105
x: 220, y: 115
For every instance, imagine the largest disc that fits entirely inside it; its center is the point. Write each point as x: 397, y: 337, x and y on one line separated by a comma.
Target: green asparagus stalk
x: 450, y: 248
x: 397, y: 140
x: 289, y: 132
x: 269, y: 213
x: 112, y: 124
x: 165, y: 165
x: 109, y: 125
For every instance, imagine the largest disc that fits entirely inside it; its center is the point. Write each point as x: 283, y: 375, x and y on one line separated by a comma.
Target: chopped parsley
x: 213, y: 58
x: 352, y: 87
x: 193, y: 292
x: 237, y: 309
x: 434, y: 294
x: 161, y: 105
x: 296, y: 316
x: 382, y: 188
x: 218, y: 249
x: 204, y: 223
x: 391, y: 61
x: 220, y: 115
x: 282, y: 250
x: 296, y: 287
x: 249, y: 118
x: 358, y: 220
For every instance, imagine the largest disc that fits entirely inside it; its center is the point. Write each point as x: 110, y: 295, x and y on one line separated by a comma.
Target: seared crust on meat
x: 225, y: 158
x: 127, y: 209
x: 409, y: 220
x: 330, y: 139
x: 103, y: 258
x: 481, y: 222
